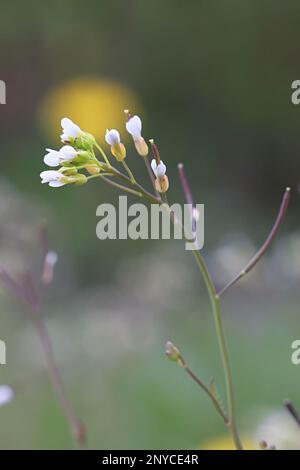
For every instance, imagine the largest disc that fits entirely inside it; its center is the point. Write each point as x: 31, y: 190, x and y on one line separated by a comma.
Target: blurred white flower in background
x: 230, y: 256
x: 279, y: 429
x: 284, y: 260
x: 6, y: 394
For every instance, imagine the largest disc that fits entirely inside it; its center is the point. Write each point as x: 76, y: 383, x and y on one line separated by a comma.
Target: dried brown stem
x: 292, y: 410
x: 208, y: 392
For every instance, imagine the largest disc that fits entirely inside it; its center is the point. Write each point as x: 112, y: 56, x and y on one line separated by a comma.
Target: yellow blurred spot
x: 94, y: 104
x: 225, y: 443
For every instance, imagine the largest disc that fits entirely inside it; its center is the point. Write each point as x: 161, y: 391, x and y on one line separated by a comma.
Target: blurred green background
x: 212, y: 82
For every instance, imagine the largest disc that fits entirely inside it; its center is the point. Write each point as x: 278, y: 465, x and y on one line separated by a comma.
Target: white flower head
x: 6, y: 394
x: 134, y: 127
x: 53, y: 178
x: 51, y: 258
x: 52, y: 158
x: 48, y: 268
x: 70, y: 130
x: 112, y: 137
x: 158, y: 170
x: 67, y: 153
x: 56, y: 157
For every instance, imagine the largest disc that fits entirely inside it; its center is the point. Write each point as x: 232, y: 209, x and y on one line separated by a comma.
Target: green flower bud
x: 79, y: 179
x: 173, y: 353
x: 69, y: 171
x: 85, y: 141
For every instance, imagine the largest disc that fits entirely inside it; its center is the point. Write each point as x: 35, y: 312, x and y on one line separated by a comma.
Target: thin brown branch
x: 209, y: 393
x: 265, y: 246
x: 25, y: 289
x: 292, y: 410
x: 151, y: 176
x: 173, y: 353
x: 120, y: 186
x: 77, y: 428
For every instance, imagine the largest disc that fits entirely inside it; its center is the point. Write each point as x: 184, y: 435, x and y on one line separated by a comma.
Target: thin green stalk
x: 129, y: 172
x: 117, y: 185
x: 215, y: 303
x: 206, y: 389
x: 103, y: 154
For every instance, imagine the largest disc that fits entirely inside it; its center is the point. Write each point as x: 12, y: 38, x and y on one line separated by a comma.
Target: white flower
x: 6, y: 394
x: 70, y: 130
x: 52, y: 158
x: 53, y: 178
x: 112, y: 137
x: 134, y: 127
x: 56, y: 157
x: 158, y: 170
x: 48, y: 268
x: 67, y: 152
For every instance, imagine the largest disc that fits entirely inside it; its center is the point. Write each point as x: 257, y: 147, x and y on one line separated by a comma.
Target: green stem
x: 215, y: 303
x: 208, y: 392
x: 129, y: 172
x: 103, y: 154
x: 117, y: 185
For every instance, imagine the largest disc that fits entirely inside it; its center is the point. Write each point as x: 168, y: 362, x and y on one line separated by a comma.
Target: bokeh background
x: 212, y: 81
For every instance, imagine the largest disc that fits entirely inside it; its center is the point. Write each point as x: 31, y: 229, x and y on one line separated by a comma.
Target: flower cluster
x: 78, y: 153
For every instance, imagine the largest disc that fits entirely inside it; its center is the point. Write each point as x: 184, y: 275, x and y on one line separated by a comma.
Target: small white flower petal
x: 66, y: 122
x: 112, y: 137
x: 158, y: 170
x: 51, y: 258
x: 56, y: 184
x: 52, y: 158
x: 134, y: 127
x: 64, y: 137
x: 52, y: 177
x: 161, y: 170
x: 67, y: 153
x: 70, y: 129
x: 154, y: 166
x: 6, y: 394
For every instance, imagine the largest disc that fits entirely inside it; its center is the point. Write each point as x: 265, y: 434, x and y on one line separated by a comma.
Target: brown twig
x: 30, y: 294
x: 292, y: 410
x: 76, y: 426
x: 173, y: 353
x: 213, y: 398
x: 151, y: 176
x: 265, y: 246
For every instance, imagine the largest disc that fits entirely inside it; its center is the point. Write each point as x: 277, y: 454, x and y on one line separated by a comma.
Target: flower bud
x: 162, y: 184
x: 173, y: 353
x: 134, y: 127
x: 78, y: 179
x: 112, y: 138
x: 118, y: 151
x: 85, y: 141
x: 68, y: 171
x: 141, y: 147
x: 92, y: 169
